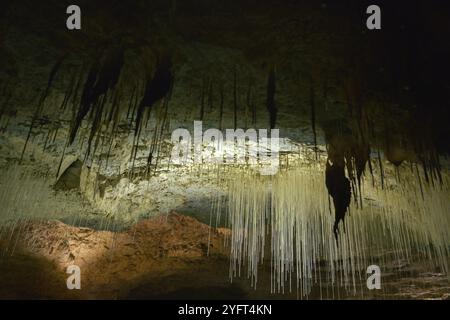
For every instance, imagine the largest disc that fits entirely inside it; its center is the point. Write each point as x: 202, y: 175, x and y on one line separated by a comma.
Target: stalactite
x: 221, y: 106
x: 41, y: 101
x: 157, y: 87
x: 270, y: 103
x: 153, y: 144
x: 130, y: 103
x: 339, y: 189
x: 380, y: 164
x: 235, y: 102
x: 56, y: 133
x: 68, y: 92
x: 46, y: 140
x: 96, y: 123
x: 85, y: 100
x: 77, y: 87
x: 163, y: 124
x: 289, y: 213
x: 313, y: 116
x: 210, y: 96
x: 202, y: 100
x: 135, y: 105
x: 134, y: 150
x: 250, y: 105
x: 420, y: 181
x: 61, y: 161
x: 103, y: 76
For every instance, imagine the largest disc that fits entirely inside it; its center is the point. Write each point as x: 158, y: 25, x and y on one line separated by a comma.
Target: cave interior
x: 89, y: 176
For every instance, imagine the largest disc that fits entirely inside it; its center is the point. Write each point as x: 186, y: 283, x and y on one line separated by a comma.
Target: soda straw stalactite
x: 289, y: 213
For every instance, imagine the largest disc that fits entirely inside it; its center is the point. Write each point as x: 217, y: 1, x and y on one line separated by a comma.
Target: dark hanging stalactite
x: 359, y: 147
x: 41, y: 101
x: 339, y: 189
x: 76, y: 89
x: 361, y: 157
x: 250, y: 104
x: 235, y: 103
x: 350, y: 166
x: 96, y: 123
x: 202, y: 99
x: 313, y: 116
x: 85, y: 102
x: 102, y: 77
x: 356, y: 156
x: 369, y: 162
x: 210, y: 96
x: 84, y: 106
x: 52, y: 76
x: 135, y: 104
x: 221, y: 106
x: 113, y: 123
x: 344, y: 154
x: 164, y: 122
x: 380, y: 164
x: 420, y: 181
x: 157, y: 87
x: 130, y: 103
x: 158, y: 134
x: 69, y: 92
x: 270, y: 103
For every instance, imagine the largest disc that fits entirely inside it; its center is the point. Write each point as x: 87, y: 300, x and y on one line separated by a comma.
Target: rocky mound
x: 110, y: 263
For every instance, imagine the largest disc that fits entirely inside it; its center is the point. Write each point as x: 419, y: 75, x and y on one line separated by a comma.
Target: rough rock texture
x: 111, y: 263
x: 366, y: 90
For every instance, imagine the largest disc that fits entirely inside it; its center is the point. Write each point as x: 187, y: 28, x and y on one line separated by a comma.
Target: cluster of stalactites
x: 287, y: 219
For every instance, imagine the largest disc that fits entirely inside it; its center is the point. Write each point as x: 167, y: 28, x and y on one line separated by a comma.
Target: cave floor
x: 167, y: 257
